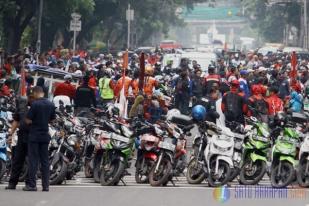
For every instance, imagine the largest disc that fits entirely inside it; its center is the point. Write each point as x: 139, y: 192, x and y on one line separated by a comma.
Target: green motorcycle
x: 115, y: 160
x: 284, y: 158
x: 255, y: 150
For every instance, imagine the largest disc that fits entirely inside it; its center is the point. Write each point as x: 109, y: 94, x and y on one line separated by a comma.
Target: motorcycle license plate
x: 166, y: 145
x: 262, y: 139
x: 120, y: 138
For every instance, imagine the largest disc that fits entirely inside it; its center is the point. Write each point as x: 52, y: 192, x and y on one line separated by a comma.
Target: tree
x: 16, y: 16
x: 271, y: 20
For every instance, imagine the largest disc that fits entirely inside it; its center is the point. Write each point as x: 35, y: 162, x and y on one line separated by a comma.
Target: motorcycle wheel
x: 110, y: 178
x: 162, y: 176
x: 58, y: 175
x: 246, y: 177
x: 2, y: 168
x: 284, y: 179
x: 97, y: 162
x: 142, y: 174
x: 234, y: 174
x: 87, y: 169
x: 195, y: 172
x: 224, y: 174
x: 302, y: 177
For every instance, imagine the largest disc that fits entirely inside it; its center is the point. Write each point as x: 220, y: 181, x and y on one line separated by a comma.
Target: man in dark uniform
x: 20, y: 150
x: 40, y: 114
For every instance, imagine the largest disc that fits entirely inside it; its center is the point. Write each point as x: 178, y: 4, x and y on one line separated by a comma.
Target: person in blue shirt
x: 296, y: 102
x: 243, y: 84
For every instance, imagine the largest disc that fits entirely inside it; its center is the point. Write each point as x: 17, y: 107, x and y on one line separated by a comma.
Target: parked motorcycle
x: 255, y: 151
x: 283, y: 157
x: 219, y: 154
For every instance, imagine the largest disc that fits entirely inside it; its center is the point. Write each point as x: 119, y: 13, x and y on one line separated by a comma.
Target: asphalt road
x: 84, y: 192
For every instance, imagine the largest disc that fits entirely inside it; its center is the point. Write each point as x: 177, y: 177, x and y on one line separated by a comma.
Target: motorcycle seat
x: 182, y: 120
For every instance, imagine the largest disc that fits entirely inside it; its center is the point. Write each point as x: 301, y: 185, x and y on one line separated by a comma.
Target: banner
x: 142, y: 73
x: 293, y: 73
x: 23, y: 90
x: 123, y: 103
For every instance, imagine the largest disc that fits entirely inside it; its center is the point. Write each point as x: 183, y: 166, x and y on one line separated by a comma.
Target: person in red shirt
x: 8, y: 66
x: 66, y: 88
x: 5, y: 89
x: 275, y: 104
x: 92, y: 81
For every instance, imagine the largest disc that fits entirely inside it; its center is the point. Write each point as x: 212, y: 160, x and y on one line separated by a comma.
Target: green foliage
x: 102, y: 20
x: 271, y: 20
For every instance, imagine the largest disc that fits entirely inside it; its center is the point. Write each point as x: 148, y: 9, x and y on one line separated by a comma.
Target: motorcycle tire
x: 2, y: 168
x: 223, y: 180
x: 117, y: 173
x: 195, y: 173
x: 167, y: 169
x: 234, y: 174
x: 97, y: 162
x: 256, y: 178
x: 88, y: 171
x: 138, y: 176
x: 60, y: 177
x: 289, y: 176
x: 302, y: 177
x: 70, y: 175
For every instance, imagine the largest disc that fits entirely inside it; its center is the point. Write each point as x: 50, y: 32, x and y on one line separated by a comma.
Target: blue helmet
x: 199, y: 113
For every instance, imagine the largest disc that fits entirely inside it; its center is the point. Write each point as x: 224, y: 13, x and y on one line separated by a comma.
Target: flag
x: 23, y: 90
x: 123, y: 103
x: 142, y: 72
x: 293, y: 73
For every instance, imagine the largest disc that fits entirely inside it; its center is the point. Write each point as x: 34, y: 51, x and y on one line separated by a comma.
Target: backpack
x: 260, y: 105
x: 233, y: 106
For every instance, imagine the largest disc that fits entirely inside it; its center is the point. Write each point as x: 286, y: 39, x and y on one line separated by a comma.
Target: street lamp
x: 38, y: 44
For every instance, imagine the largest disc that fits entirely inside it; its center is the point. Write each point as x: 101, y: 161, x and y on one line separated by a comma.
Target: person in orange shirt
x: 149, y: 82
x: 127, y: 84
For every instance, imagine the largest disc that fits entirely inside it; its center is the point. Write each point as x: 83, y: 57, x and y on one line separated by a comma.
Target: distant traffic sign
x: 75, y: 25
x: 75, y: 16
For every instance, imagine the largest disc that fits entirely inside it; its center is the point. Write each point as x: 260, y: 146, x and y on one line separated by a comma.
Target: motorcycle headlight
x: 222, y: 149
x: 72, y: 140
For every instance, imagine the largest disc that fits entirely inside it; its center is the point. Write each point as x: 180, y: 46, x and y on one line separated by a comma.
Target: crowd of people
x: 244, y: 85
x: 249, y: 84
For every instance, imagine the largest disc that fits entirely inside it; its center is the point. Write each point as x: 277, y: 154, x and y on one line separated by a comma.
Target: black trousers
x: 18, y: 161
x: 38, y: 152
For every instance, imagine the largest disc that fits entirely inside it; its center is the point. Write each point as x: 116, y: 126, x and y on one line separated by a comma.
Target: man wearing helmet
x: 66, y: 88
x: 233, y: 104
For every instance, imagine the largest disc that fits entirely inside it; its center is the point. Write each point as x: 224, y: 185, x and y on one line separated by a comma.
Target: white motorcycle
x: 303, y: 166
x: 219, y: 154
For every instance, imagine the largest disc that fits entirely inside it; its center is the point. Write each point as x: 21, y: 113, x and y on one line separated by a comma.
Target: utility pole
x: 305, y: 25
x: 38, y: 44
x: 130, y: 17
